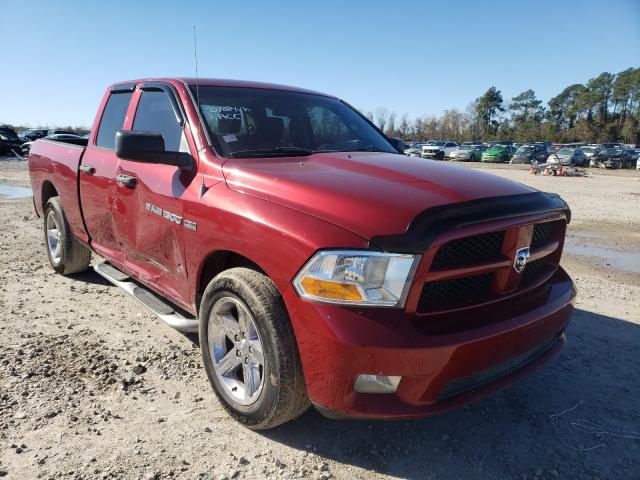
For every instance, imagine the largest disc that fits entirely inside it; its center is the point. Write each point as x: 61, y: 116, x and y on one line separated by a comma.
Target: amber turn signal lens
x: 332, y: 290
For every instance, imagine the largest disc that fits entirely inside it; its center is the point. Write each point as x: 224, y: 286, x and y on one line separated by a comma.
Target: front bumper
x: 440, y: 371
x: 432, y: 154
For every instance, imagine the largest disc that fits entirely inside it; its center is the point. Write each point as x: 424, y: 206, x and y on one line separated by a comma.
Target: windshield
x: 525, y: 150
x: 436, y: 144
x: 565, y: 151
x: 256, y: 122
x: 496, y: 148
x: 588, y: 149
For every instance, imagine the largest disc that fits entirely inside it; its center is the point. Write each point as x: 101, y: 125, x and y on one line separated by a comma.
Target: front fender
x: 276, y: 238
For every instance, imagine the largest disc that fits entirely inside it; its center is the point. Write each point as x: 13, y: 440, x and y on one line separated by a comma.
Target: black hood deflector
x: 430, y: 223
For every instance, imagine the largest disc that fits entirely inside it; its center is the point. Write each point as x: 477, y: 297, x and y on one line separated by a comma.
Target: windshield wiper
x: 369, y: 148
x: 267, y: 152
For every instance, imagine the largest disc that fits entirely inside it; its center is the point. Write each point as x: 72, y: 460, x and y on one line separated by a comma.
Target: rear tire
x: 232, y: 368
x: 66, y: 254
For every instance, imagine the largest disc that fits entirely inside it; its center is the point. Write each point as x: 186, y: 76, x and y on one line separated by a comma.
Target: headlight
x: 357, y: 278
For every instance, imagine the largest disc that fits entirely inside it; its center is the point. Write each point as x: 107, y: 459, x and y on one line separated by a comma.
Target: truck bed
x: 57, y: 162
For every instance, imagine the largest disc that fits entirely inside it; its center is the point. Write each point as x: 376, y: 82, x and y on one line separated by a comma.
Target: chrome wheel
x: 53, y: 238
x: 236, y: 350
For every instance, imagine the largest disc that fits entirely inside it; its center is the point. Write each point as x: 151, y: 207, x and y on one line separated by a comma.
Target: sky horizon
x: 419, y: 58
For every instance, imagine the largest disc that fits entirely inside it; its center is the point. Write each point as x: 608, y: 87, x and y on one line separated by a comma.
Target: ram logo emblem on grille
x: 522, y: 256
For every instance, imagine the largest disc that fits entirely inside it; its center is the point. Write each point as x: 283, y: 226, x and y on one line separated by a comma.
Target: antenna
x: 195, y: 58
x: 203, y: 188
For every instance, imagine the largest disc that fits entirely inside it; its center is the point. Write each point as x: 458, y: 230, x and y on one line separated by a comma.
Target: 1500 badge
x: 172, y: 217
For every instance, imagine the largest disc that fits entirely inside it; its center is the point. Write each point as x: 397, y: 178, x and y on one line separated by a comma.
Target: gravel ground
x: 93, y: 386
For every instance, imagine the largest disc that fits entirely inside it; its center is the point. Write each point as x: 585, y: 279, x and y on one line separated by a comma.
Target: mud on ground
x: 93, y: 386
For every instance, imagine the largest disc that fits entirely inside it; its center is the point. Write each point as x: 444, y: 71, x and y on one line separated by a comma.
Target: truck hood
x: 432, y: 147
x: 368, y: 193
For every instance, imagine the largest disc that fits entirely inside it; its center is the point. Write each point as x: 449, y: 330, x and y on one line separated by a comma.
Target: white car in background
x: 438, y: 149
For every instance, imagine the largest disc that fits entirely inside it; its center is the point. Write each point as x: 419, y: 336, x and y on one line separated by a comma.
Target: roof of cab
x: 221, y: 82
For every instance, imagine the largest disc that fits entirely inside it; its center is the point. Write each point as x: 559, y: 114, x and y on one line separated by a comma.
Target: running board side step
x: 170, y: 314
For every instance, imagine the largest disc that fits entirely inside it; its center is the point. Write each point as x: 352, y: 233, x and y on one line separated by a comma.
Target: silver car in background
x: 467, y: 153
x: 414, y: 150
x: 569, y: 157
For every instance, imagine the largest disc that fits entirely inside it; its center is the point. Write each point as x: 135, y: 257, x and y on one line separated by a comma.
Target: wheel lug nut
x: 250, y: 349
x: 246, y: 359
x: 238, y: 353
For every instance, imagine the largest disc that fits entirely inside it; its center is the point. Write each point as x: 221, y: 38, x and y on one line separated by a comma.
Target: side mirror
x: 398, y: 143
x: 148, y: 147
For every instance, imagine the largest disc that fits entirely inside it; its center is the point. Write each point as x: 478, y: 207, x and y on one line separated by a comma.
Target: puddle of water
x: 626, y: 261
x: 9, y: 191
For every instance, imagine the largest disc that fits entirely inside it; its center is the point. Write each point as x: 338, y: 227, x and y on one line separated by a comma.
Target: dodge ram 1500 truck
x: 318, y: 264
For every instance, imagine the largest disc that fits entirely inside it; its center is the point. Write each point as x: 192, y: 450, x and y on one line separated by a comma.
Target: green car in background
x: 499, y: 154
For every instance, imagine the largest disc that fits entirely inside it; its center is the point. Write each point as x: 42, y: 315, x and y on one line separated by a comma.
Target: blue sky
x: 417, y: 57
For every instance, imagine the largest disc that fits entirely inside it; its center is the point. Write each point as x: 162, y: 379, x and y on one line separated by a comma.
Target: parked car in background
x: 629, y: 157
x: 609, y: 155
x: 569, y: 157
x: 58, y: 131
x: 9, y: 141
x: 590, y: 151
x: 468, y: 153
x: 620, y: 151
x: 32, y: 134
x: 66, y: 137
x: 530, y: 153
x: 498, y: 153
x: 553, y: 148
x: 498, y: 142
x: 414, y: 150
x: 438, y: 149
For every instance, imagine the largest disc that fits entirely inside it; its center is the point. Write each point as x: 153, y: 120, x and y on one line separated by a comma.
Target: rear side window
x: 112, y: 119
x: 155, y: 114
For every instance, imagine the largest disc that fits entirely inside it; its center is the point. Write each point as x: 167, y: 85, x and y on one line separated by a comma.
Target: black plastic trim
x: 125, y: 87
x: 430, y: 223
x: 171, y: 93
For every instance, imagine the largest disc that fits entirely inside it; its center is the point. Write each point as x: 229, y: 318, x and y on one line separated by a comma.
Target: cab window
x: 112, y: 119
x: 155, y: 114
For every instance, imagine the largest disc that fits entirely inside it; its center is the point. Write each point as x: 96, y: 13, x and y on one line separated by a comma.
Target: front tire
x: 66, y: 254
x: 249, y: 350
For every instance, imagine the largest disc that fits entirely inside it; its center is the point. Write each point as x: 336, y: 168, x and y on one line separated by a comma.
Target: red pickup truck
x: 318, y: 264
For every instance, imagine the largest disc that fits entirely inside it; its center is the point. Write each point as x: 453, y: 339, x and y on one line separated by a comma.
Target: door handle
x: 127, y: 180
x: 88, y: 169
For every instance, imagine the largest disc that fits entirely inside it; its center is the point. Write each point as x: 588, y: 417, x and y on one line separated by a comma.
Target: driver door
x: 148, y: 208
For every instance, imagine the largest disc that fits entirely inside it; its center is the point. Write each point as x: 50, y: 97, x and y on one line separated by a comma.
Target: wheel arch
x: 216, y: 262
x: 48, y: 191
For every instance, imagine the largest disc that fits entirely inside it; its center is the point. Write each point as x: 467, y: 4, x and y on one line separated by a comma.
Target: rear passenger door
x: 97, y: 175
x: 148, y: 207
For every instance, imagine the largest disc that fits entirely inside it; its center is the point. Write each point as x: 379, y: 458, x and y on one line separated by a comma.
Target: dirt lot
x: 93, y: 386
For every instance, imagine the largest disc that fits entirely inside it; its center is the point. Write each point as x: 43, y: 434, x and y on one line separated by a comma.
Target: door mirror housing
x: 148, y: 147
x: 398, y: 143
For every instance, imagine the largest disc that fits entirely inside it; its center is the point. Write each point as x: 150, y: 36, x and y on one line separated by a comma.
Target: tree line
x: 606, y: 108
